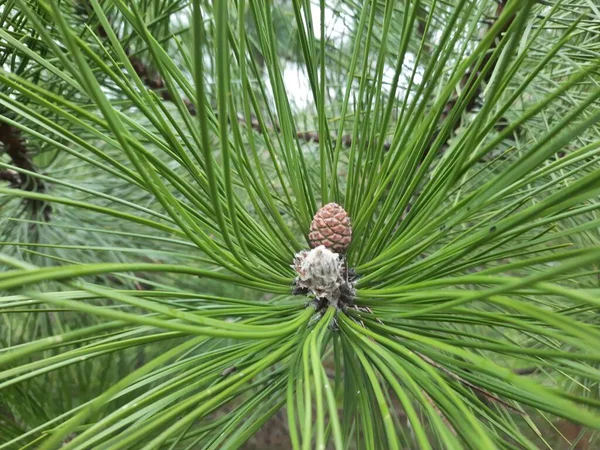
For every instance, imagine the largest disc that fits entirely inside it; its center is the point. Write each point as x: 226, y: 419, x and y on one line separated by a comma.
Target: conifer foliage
x: 360, y: 224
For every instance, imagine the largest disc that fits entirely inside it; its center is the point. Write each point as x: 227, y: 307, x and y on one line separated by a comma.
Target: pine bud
x: 331, y: 227
x: 321, y: 272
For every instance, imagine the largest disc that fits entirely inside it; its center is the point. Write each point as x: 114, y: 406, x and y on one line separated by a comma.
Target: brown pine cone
x: 331, y: 227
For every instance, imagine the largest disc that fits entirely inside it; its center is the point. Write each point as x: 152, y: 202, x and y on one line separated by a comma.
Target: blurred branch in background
x: 14, y: 145
x: 475, y: 78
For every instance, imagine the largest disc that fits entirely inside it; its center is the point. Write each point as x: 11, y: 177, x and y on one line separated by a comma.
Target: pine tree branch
x: 473, y: 78
x: 13, y: 178
x: 156, y: 83
x: 14, y: 145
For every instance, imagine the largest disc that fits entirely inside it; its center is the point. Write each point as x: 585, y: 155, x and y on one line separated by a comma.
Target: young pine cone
x: 331, y: 227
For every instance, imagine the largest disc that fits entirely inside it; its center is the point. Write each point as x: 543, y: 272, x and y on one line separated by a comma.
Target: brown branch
x: 14, y: 145
x: 156, y: 83
x: 474, y: 78
x: 467, y: 82
x: 13, y: 178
